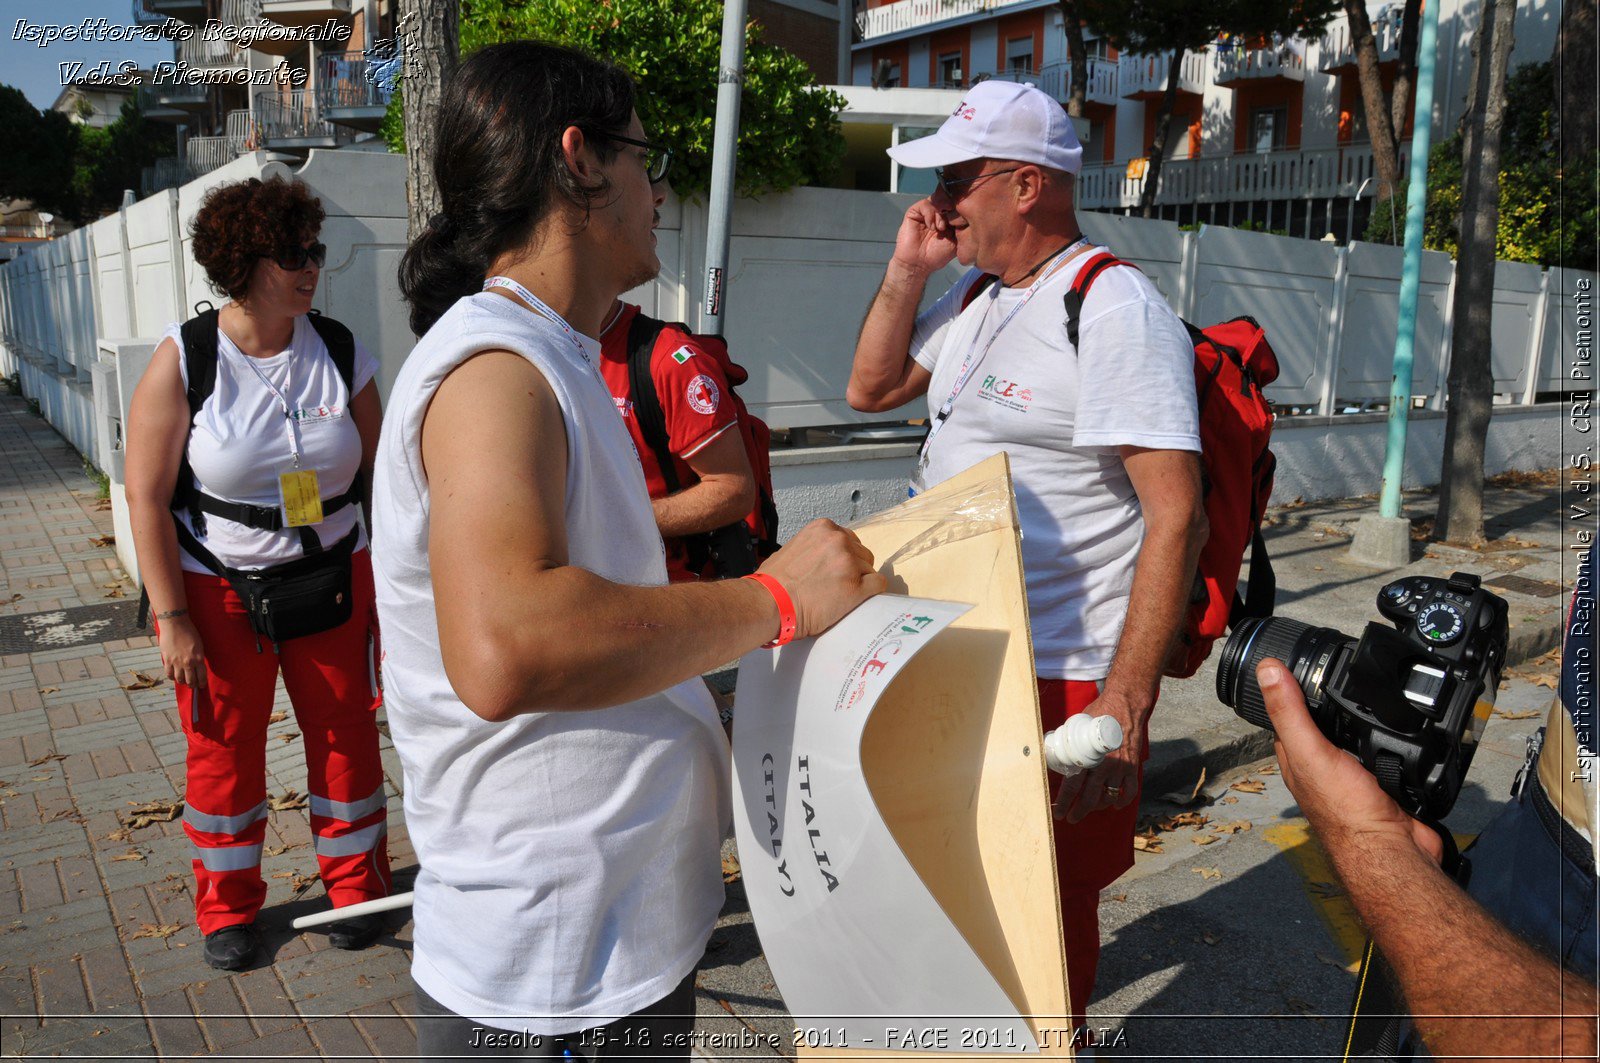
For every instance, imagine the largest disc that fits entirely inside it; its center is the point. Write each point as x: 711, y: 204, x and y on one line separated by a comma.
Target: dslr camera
x: 1410, y: 701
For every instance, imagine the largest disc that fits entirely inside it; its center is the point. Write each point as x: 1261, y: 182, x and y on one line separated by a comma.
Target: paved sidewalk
x: 99, y: 955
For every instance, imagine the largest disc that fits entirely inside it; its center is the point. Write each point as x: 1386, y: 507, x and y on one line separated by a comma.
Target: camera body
x: 1410, y: 700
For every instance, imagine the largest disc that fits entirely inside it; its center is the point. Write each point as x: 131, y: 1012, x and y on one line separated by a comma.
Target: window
x: 1269, y: 128
x: 950, y: 70
x: 1019, y: 55
x: 1096, y: 49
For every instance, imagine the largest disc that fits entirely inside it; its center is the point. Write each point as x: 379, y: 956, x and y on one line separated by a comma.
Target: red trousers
x: 329, y: 680
x: 1090, y: 854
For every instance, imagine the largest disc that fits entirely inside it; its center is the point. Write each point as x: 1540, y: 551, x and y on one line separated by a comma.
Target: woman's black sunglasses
x: 294, y: 258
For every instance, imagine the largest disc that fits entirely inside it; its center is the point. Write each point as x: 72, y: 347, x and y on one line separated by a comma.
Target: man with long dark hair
x: 566, y: 772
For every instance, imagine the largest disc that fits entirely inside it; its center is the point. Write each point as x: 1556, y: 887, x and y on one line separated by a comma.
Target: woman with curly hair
x: 249, y: 441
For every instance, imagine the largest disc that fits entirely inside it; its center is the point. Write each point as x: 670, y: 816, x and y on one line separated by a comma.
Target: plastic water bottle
x: 1081, y: 743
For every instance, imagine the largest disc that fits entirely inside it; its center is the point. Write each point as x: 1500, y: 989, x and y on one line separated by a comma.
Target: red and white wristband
x: 787, y: 623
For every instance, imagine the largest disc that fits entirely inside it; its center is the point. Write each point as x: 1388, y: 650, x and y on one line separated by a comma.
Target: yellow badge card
x: 302, y: 502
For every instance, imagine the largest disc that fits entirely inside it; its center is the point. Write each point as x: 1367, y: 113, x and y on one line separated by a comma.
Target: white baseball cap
x: 999, y: 120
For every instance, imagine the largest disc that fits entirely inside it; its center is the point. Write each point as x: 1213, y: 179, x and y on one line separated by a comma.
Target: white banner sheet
x: 863, y: 954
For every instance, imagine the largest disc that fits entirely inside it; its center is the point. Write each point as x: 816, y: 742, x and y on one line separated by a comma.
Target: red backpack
x: 1232, y: 363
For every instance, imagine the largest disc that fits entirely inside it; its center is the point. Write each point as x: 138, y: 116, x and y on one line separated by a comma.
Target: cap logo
x: 964, y: 110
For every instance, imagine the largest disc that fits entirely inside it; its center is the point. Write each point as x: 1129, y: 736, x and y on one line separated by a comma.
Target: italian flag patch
x: 682, y: 354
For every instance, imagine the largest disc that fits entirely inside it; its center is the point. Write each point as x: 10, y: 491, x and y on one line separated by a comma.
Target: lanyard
x: 283, y: 402
x: 539, y: 307
x: 974, y: 358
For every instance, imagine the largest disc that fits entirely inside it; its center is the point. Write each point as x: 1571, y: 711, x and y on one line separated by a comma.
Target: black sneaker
x: 231, y: 948
x: 357, y: 932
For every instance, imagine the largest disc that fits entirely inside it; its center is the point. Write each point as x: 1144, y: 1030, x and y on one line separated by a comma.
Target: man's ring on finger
x: 1113, y: 791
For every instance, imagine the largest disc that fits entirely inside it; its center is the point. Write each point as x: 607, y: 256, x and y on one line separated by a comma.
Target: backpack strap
x: 981, y: 285
x: 1073, y: 300
x: 647, y: 411
x: 199, y: 336
x: 341, y: 344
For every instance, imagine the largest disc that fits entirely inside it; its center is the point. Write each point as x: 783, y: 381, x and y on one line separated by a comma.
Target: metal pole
x: 724, y: 153
x: 1411, y: 272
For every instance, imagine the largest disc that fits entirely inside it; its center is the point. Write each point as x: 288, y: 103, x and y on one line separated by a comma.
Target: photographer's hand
x: 1342, y: 799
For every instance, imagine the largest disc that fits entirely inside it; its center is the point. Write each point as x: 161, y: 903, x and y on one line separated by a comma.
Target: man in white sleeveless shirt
x: 1103, y: 438
x: 566, y: 775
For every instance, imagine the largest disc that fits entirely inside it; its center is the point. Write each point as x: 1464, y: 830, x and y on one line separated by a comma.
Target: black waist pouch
x: 306, y: 596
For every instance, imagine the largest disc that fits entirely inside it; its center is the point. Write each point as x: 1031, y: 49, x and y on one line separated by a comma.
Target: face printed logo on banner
x: 703, y: 395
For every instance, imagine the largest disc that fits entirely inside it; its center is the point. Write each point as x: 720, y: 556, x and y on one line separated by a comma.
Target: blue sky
x: 36, y: 71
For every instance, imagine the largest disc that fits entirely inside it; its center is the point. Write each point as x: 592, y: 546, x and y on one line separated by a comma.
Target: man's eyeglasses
x: 948, y: 185
x: 657, y: 159
x: 295, y: 258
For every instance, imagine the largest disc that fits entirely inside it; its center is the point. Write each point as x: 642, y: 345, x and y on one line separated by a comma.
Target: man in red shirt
x: 709, y: 459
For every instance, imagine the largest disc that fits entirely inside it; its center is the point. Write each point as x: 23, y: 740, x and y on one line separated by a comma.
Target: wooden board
x: 952, y: 753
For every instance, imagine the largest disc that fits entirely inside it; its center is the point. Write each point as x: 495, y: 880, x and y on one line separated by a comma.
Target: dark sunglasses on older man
x: 295, y: 258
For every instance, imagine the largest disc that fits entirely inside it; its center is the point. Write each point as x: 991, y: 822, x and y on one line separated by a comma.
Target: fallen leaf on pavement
x: 121, y: 834
x: 1270, y: 769
x: 277, y: 717
x: 730, y: 868
x: 48, y: 690
x: 300, y: 883
x: 1229, y: 800
x: 290, y: 737
x: 1546, y: 681
x: 1207, y: 872
x: 103, y: 540
x: 114, y: 592
x: 1203, y: 839
x: 152, y: 812
x: 143, y: 681
x: 131, y: 854
x: 290, y: 799
x: 1119, y: 897
x: 1232, y: 828
x: 1249, y: 786
x: 16, y: 598
x: 1143, y: 844
x: 47, y: 758
x: 155, y: 930
x: 1527, y: 714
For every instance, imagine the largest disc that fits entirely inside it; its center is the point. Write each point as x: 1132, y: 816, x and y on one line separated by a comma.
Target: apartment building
x: 276, y: 75
x: 1264, y: 131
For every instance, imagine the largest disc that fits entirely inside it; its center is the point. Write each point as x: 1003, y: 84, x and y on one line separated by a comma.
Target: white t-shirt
x: 570, y: 870
x: 1060, y: 414
x: 240, y: 442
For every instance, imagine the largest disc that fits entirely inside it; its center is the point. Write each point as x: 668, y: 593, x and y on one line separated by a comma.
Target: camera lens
x: 1306, y: 650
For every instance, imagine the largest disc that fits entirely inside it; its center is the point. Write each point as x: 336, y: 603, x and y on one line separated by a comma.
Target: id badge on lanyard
x: 299, y: 494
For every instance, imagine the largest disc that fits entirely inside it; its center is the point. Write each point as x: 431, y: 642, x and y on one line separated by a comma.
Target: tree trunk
x: 1158, y: 148
x: 1078, y: 58
x: 1575, y: 74
x: 1405, y: 75
x: 429, y: 31
x: 1385, y: 155
x: 1470, y: 398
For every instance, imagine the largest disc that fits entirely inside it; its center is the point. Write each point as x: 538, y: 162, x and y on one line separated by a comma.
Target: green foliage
x: 75, y: 172
x: 393, y: 127
x: 1534, y: 224
x: 102, y: 482
x: 110, y: 160
x: 1164, y: 25
x: 789, y: 126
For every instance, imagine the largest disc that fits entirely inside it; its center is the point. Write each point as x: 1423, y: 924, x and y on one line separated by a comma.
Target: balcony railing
x: 1102, y: 86
x: 291, y: 120
x: 204, y: 154
x: 199, y: 52
x: 1320, y: 173
x: 1285, y: 58
x: 149, y: 97
x: 244, y: 132
x: 1141, y: 75
x: 1339, y: 47
x: 268, y: 36
x: 1019, y: 75
x: 911, y: 14
x: 353, y: 90
x: 143, y: 16
x: 192, y: 11
x: 305, y: 12
x: 168, y: 172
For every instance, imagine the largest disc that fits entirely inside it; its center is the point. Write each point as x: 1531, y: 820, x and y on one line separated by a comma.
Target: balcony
x: 168, y: 172
x: 351, y: 91
x: 1018, y: 75
x: 243, y: 132
x: 1323, y: 173
x: 1339, y: 47
x: 305, y: 12
x: 266, y: 37
x: 143, y: 16
x: 1283, y: 60
x: 153, y: 108
x: 204, y: 154
x: 1102, y: 88
x: 290, y: 121
x: 190, y: 11
x: 1144, y: 77
x: 906, y: 15
x: 211, y: 55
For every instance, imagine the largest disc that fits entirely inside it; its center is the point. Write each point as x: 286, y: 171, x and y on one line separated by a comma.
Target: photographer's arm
x: 1455, y: 958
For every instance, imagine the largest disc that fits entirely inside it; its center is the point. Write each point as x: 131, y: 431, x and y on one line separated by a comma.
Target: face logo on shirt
x: 703, y: 395
x: 1007, y: 393
x: 964, y: 110
x: 683, y: 354
x: 314, y: 414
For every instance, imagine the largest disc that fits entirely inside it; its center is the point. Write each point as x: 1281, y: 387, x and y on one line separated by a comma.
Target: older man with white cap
x: 1102, y: 433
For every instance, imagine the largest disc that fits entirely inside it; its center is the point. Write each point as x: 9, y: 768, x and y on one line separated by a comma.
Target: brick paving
x: 90, y: 965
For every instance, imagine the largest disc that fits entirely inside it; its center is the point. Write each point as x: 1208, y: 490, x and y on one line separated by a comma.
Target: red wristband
x: 786, y: 618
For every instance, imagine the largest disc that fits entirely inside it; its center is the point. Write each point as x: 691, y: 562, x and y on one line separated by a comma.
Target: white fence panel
x: 1286, y: 285
x: 153, y: 260
x: 1372, y: 317
x: 111, y: 278
x: 1516, y: 311
x: 1156, y: 247
x: 79, y: 303
x: 1562, y: 326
